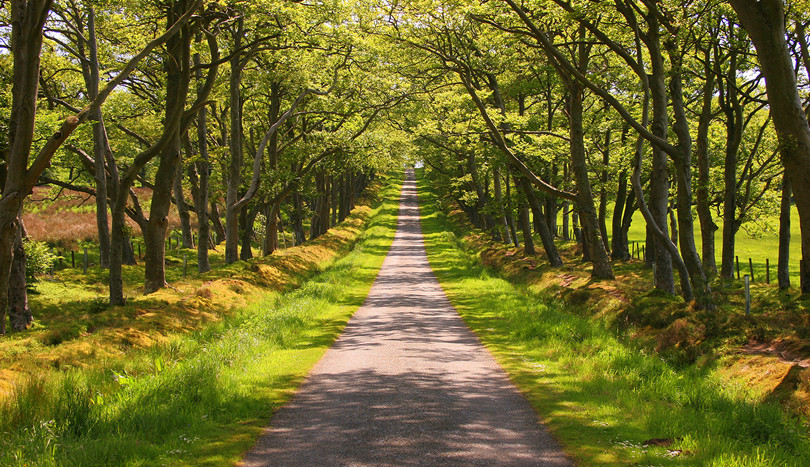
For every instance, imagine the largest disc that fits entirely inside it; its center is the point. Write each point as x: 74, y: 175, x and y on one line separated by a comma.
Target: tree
x: 28, y: 19
x: 764, y: 21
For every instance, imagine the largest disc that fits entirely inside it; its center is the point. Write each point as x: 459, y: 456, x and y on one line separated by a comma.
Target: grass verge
x: 201, y: 398
x: 605, y: 398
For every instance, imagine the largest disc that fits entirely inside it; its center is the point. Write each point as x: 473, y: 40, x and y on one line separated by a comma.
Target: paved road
x: 407, y: 383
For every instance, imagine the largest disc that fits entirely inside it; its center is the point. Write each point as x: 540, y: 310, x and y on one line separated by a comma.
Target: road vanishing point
x: 407, y: 383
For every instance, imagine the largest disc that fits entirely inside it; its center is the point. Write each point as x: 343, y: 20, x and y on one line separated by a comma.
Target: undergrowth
x: 608, y: 399
x: 201, y: 398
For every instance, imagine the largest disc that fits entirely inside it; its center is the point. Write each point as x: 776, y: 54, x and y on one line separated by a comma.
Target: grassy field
x: 190, y: 398
x: 759, y: 248
x: 606, y: 398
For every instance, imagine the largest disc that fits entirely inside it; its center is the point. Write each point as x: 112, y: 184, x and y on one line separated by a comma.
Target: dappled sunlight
x: 603, y: 395
x: 189, y: 375
x: 407, y: 382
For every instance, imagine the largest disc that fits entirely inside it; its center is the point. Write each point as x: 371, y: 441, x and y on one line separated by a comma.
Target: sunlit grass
x: 200, y: 398
x: 601, y: 395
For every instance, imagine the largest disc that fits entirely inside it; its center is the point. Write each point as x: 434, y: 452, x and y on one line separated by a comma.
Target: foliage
x: 39, y: 259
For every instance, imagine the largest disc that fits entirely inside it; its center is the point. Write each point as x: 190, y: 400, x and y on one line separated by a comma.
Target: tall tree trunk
x: 603, y: 190
x: 345, y: 188
x: 325, y: 203
x: 673, y: 226
x: 683, y: 175
x: 334, y: 200
x: 545, y: 235
x: 100, y: 143
x: 472, y: 169
x: 783, y: 266
x: 730, y: 104
x: 271, y: 228
x: 566, y: 207
x: 178, y: 74
x: 707, y: 225
x: 592, y: 240
x: 247, y: 232
x: 200, y: 171
x: 235, y: 166
x: 27, y: 21
x: 501, y: 223
x: 216, y: 222
x: 619, y: 247
x: 298, y: 218
x: 550, y: 204
x: 128, y: 251
x: 510, y: 218
x: 182, y: 208
x: 659, y: 177
x: 19, y: 312
x: 526, y: 228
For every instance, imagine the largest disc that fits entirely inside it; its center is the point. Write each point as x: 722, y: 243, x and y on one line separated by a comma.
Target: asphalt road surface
x: 407, y: 383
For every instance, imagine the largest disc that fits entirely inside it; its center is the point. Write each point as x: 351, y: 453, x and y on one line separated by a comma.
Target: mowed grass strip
x: 200, y: 399
x: 607, y: 401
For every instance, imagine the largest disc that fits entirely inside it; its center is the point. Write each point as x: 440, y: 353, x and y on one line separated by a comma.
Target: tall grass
x: 604, y: 398
x: 200, y: 399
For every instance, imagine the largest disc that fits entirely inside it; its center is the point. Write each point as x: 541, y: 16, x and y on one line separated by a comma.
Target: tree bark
x: 545, y: 236
x: 101, y: 145
x: 619, y: 247
x: 510, y: 218
x: 526, y: 228
x: 592, y: 240
x: 298, y: 218
x: 566, y: 206
x: 271, y: 229
x: 216, y: 222
x: 178, y: 66
x: 659, y: 177
x: 730, y: 105
x: 683, y: 175
x: 501, y: 223
x: 783, y: 265
x: 707, y: 224
x: 246, y: 251
x: 603, y: 190
x: 200, y: 194
x: 182, y: 208
x: 235, y: 146
x: 27, y: 20
x: 19, y: 311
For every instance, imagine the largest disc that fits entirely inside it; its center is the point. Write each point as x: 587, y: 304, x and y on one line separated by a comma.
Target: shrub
x: 38, y: 259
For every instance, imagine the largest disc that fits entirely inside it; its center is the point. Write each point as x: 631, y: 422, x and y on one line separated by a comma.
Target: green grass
x: 764, y: 245
x: 600, y: 394
x: 203, y: 398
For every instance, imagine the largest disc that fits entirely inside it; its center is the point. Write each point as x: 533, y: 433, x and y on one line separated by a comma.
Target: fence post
x: 767, y: 271
x: 747, y: 296
x: 751, y: 268
x: 185, y: 263
x: 737, y: 261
